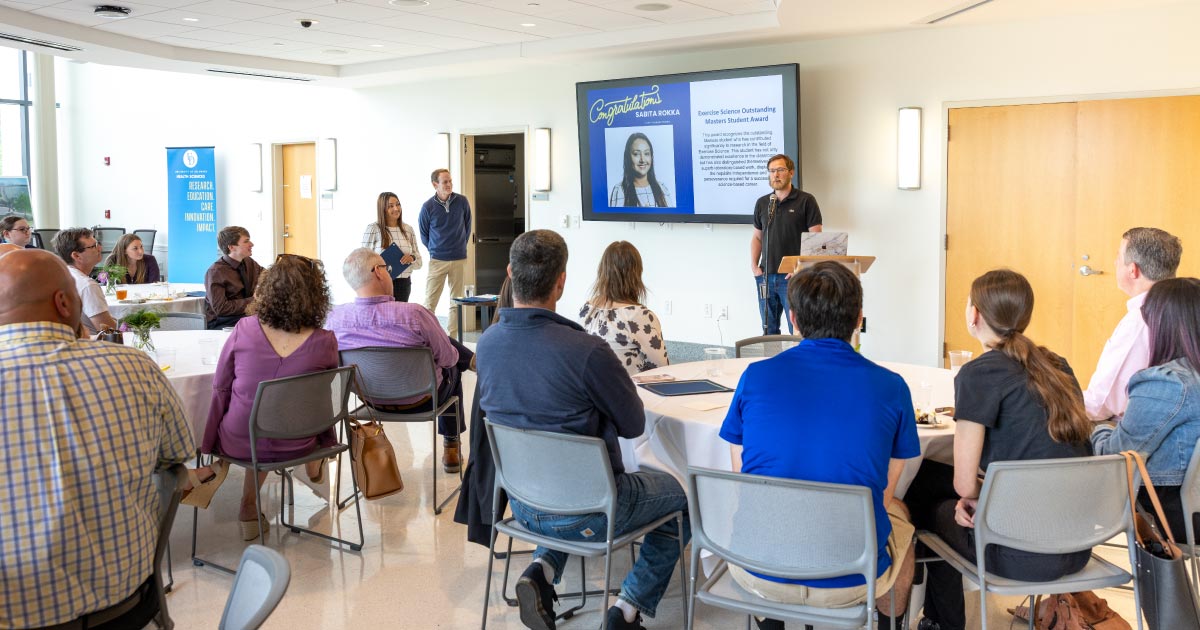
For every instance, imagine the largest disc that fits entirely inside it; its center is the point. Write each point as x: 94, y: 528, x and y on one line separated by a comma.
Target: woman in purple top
x: 282, y: 336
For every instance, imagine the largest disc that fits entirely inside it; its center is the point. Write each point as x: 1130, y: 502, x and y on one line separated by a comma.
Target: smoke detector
x: 111, y: 11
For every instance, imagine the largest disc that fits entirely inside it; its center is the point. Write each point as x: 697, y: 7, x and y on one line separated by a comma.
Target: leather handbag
x: 372, y: 456
x: 1165, y: 591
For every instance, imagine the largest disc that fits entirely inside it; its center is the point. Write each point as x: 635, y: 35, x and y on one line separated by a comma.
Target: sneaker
x: 768, y: 624
x: 928, y: 624
x: 616, y: 620
x: 536, y: 598
x: 451, y: 460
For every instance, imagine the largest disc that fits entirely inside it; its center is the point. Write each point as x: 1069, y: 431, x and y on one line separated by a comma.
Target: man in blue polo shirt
x: 823, y: 412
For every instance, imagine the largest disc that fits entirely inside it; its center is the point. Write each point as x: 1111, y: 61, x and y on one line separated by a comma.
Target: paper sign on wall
x: 306, y: 187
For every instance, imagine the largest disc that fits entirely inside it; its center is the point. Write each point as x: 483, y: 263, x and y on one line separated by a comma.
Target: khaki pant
x: 897, y: 547
x: 441, y: 271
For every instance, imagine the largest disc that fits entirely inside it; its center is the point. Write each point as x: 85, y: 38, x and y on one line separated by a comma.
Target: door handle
x: 1088, y: 271
x: 286, y: 231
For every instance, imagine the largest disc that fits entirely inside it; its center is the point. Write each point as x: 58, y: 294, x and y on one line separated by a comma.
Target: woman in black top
x: 1016, y: 401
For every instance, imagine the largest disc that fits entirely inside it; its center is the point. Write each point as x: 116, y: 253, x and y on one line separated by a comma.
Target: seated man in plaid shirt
x: 83, y: 426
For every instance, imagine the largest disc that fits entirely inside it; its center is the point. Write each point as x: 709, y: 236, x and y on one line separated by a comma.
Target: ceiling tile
x: 184, y: 42
x: 74, y: 17
x: 295, y: 5
x: 499, y: 18
x: 454, y: 29
x: 138, y: 9
x: 572, y: 13
x: 736, y: 7
x: 20, y: 6
x: 432, y: 6
x: 679, y: 11
x: 216, y: 36
x: 233, y: 9
x: 145, y: 28
x: 354, y: 11
x: 197, y: 20
x: 264, y: 47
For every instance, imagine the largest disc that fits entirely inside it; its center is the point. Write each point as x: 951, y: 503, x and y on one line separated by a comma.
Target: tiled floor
x: 415, y: 570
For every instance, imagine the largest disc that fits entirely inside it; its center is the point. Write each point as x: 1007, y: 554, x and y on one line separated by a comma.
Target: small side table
x: 487, y: 304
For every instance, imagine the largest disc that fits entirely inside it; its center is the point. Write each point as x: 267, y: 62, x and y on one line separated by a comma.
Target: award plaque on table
x: 391, y: 257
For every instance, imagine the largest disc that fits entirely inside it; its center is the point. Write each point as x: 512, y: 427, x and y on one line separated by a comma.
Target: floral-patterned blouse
x: 633, y: 332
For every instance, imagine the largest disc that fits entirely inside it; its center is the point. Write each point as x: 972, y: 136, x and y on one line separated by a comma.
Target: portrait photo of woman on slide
x: 638, y: 185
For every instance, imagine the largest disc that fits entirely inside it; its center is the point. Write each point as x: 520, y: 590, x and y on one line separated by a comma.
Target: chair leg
x: 296, y: 529
x: 983, y: 605
x: 1033, y: 606
x: 487, y: 589
x: 683, y: 595
x: 607, y: 578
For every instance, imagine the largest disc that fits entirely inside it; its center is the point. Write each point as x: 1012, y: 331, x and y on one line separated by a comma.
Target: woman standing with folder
x: 388, y: 229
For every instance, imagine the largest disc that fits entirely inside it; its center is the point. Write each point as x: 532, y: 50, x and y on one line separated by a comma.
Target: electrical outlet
x: 667, y: 306
x: 577, y: 220
x: 724, y: 313
x: 708, y: 310
x: 566, y: 221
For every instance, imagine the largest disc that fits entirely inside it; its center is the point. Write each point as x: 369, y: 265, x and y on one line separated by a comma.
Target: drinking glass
x: 958, y: 358
x: 209, y: 351
x: 715, y: 358
x: 122, y: 294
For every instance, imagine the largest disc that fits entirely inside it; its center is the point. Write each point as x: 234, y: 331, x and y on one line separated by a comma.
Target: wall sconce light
x: 327, y: 164
x: 908, y: 149
x: 254, y: 161
x: 439, y: 153
x: 541, y: 159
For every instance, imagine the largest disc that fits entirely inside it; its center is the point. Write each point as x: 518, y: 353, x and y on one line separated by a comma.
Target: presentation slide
x: 685, y: 148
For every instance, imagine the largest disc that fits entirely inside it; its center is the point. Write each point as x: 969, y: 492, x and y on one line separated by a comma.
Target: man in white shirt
x: 81, y: 251
x: 1146, y: 256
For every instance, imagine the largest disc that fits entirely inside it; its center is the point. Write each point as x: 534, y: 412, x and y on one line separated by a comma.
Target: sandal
x: 250, y: 529
x: 202, y: 492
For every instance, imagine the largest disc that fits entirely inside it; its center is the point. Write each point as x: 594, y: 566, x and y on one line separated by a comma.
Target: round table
x: 191, y: 374
x: 156, y: 296
x: 683, y: 431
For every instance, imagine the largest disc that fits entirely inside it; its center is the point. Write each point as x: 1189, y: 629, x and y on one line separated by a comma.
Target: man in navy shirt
x: 445, y: 224
x: 539, y: 370
x: 823, y: 412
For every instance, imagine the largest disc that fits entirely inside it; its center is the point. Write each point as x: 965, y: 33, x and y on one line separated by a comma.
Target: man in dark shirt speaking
x: 538, y: 370
x: 779, y: 220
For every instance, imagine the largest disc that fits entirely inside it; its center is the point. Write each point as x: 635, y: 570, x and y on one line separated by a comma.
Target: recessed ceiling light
x: 528, y: 24
x: 653, y: 6
x: 191, y: 19
x: 334, y: 51
x: 533, y: 4
x: 376, y: 45
x: 409, y: 3
x: 278, y: 44
x: 111, y: 11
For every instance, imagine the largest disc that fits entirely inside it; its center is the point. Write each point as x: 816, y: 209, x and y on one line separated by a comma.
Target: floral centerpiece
x: 110, y: 276
x: 140, y: 323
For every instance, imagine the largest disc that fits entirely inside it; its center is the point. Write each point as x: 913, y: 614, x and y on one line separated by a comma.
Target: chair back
x: 784, y: 527
x: 107, y: 237
x: 180, y: 321
x: 47, y: 235
x: 36, y: 240
x: 765, y: 345
x: 393, y: 373
x: 147, y: 237
x: 1053, y: 506
x: 300, y: 406
x: 1189, y: 493
x: 560, y: 473
x: 168, y: 484
x: 261, y: 580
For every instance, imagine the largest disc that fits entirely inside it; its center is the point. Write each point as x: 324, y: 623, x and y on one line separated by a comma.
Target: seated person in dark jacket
x: 538, y: 370
x: 229, y: 283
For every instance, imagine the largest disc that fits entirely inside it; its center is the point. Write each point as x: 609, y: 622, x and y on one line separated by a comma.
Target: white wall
x: 850, y: 91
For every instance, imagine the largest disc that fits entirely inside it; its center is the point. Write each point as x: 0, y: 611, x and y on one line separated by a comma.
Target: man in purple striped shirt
x: 375, y: 318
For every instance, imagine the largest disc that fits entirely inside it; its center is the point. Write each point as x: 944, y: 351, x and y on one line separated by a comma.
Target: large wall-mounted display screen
x: 689, y: 148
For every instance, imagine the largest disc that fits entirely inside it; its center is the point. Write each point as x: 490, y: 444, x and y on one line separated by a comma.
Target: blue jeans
x: 642, y: 497
x: 776, y: 301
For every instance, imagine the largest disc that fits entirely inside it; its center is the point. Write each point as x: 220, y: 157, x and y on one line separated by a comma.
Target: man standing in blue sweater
x: 445, y: 224
x: 538, y: 370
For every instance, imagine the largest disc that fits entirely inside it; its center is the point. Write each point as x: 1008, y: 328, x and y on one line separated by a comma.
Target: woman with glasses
x: 16, y: 231
x: 388, y: 228
x: 140, y: 267
x: 281, y: 336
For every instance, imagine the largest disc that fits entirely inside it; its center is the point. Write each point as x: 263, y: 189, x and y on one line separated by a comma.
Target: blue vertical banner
x: 191, y: 212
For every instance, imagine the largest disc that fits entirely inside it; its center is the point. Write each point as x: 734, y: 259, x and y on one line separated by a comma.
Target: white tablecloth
x: 189, y: 375
x: 174, y: 305
x: 679, y: 434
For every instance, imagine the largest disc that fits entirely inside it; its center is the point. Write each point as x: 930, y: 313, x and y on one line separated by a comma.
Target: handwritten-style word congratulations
x: 609, y: 110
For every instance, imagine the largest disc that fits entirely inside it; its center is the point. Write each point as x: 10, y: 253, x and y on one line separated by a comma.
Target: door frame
x: 944, y: 166
x: 277, y: 192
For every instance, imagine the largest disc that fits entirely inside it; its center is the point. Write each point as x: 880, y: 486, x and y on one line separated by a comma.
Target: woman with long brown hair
x: 140, y: 267
x: 389, y: 228
x: 1016, y: 401
x: 615, y: 311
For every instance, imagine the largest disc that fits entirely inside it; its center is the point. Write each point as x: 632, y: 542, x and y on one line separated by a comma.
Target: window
x: 14, y: 133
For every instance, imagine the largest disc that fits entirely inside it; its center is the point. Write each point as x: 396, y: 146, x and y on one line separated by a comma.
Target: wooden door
x: 300, y: 199
x: 466, y: 188
x: 1139, y: 166
x: 1010, y: 202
